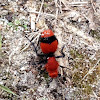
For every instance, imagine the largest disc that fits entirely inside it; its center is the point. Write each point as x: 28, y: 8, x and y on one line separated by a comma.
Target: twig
x: 95, y: 94
x: 45, y: 14
x: 78, y: 3
x: 75, y: 3
x: 93, y: 6
x: 91, y: 70
x: 56, y: 14
x: 40, y: 11
x: 60, y: 6
x: 56, y: 11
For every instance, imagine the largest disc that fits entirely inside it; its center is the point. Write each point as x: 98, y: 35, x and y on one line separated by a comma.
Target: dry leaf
x: 40, y: 24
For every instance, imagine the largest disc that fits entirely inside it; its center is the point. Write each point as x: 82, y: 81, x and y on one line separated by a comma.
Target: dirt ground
x: 75, y: 23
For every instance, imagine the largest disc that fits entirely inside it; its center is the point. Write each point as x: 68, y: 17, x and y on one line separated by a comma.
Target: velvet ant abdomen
x: 52, y: 67
x: 48, y: 42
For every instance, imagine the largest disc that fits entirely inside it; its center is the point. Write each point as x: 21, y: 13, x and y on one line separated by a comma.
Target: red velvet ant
x: 48, y: 44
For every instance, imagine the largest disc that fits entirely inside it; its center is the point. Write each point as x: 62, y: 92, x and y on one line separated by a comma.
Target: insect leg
x: 64, y: 67
x: 63, y: 55
x: 35, y: 48
x: 32, y: 43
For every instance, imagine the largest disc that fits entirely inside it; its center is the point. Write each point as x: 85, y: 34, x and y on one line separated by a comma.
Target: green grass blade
x: 7, y: 90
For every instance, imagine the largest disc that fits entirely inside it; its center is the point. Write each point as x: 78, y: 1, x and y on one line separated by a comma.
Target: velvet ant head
x: 47, y: 33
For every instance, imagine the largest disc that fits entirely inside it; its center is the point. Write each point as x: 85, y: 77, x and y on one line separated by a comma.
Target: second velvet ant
x: 49, y: 44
